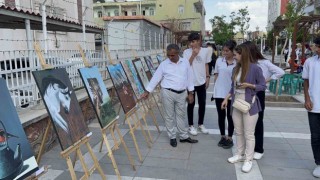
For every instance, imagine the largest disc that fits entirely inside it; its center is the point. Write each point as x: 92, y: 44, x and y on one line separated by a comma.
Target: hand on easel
x: 46, y: 66
x: 145, y: 95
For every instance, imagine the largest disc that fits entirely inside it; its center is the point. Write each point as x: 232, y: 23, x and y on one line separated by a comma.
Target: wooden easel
x: 113, y: 126
x: 76, y: 146
x: 113, y: 93
x: 134, y: 122
x: 110, y: 128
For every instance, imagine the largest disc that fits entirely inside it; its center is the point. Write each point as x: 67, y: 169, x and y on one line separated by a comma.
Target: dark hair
x: 193, y: 36
x: 255, y: 53
x: 173, y: 46
x: 244, y: 64
x: 317, y: 40
x: 231, y: 44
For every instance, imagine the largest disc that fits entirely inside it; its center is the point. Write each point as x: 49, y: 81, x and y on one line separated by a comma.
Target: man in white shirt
x: 176, y: 76
x: 199, y: 59
x: 311, y: 76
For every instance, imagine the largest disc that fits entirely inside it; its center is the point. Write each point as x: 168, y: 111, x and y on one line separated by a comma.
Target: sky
x: 258, y: 11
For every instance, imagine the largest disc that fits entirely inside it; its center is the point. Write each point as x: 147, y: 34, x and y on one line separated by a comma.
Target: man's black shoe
x: 188, y: 140
x: 228, y: 144
x: 222, y: 142
x: 173, y: 142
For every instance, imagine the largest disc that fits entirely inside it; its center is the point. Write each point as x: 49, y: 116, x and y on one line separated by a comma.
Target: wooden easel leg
x: 125, y: 148
x: 116, y: 145
x: 145, y: 123
x: 134, y: 140
x: 83, y: 164
x: 96, y: 162
x: 100, y: 149
x: 145, y: 136
x: 154, y: 120
x: 74, y: 159
x: 110, y: 154
x: 44, y: 139
x: 71, y: 169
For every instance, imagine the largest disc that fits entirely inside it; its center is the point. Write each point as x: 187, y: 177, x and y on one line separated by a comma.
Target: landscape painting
x: 142, y: 74
x: 150, y: 65
x: 122, y: 86
x: 62, y: 105
x: 17, y: 160
x: 98, y: 94
x: 133, y: 77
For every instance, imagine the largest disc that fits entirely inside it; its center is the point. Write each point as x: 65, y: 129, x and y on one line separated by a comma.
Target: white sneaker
x: 316, y: 172
x: 247, y: 166
x: 193, y: 131
x: 236, y: 158
x: 257, y: 156
x: 203, y: 129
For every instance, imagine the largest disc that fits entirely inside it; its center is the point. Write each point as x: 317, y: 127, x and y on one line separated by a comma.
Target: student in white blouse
x: 222, y: 86
x: 270, y: 71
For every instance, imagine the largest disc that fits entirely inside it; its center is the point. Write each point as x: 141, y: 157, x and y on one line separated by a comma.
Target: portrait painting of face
x: 17, y: 160
x: 122, y: 86
x: 141, y: 73
x: 98, y: 94
x: 133, y: 77
x: 62, y: 105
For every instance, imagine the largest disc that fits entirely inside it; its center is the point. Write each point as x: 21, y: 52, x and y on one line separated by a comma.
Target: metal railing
x: 17, y: 66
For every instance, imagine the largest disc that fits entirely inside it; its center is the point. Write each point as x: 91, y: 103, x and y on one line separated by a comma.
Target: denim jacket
x: 254, y: 76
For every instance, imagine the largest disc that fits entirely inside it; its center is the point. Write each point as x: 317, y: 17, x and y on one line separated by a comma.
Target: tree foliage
x: 223, y: 30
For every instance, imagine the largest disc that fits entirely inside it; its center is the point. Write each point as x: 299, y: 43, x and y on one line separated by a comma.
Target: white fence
x: 17, y: 66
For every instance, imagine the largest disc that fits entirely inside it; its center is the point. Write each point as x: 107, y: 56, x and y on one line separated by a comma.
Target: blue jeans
x: 314, y: 122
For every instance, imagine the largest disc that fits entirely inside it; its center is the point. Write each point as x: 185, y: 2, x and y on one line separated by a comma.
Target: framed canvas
x: 122, y: 86
x: 17, y: 160
x: 150, y: 65
x: 133, y: 77
x: 98, y: 94
x: 62, y: 105
x: 159, y: 58
x: 141, y: 73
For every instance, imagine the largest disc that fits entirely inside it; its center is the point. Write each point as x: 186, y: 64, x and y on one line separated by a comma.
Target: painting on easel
x: 133, y: 77
x: 142, y: 74
x: 122, y: 86
x: 98, y: 94
x: 159, y: 58
x: 62, y: 105
x: 17, y: 160
x: 150, y: 65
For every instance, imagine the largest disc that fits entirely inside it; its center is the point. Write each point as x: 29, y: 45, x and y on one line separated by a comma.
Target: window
x: 125, y: 13
x: 99, y: 14
x: 151, y: 12
x: 116, y: 12
x: 186, y: 26
x: 181, y: 9
x: 134, y: 13
x: 144, y: 12
x: 109, y: 14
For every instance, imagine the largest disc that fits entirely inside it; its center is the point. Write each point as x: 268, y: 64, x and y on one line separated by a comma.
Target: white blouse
x: 270, y: 70
x: 223, y: 82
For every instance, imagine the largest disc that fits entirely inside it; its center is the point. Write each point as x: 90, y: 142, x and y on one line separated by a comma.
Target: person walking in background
x: 247, y: 80
x: 270, y: 71
x: 222, y: 85
x: 198, y: 58
x: 176, y: 76
x: 311, y: 74
x: 214, y: 57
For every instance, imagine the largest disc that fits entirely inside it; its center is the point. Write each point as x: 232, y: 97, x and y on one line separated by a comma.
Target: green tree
x: 241, y: 19
x: 222, y: 31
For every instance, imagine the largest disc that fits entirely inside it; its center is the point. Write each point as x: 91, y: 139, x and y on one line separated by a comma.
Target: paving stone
x: 286, y: 173
x: 165, y: 163
x: 282, y: 162
x: 159, y: 172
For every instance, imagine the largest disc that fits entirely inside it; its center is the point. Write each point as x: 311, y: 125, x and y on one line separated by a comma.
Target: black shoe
x: 228, y: 144
x: 173, y: 142
x: 188, y: 140
x: 222, y: 142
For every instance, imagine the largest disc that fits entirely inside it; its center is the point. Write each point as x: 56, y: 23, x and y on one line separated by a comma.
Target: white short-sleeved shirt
x: 223, y: 83
x: 311, y: 71
x: 199, y: 64
x: 270, y: 70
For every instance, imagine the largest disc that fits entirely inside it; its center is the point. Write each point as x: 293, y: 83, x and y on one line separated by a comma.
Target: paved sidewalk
x: 288, y: 153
